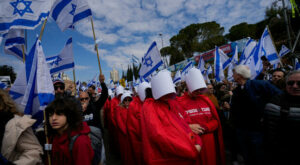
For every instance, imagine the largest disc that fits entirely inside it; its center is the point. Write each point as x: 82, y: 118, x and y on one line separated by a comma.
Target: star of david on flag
x: 66, y: 13
x: 22, y: 14
x: 63, y: 61
x: 151, y: 61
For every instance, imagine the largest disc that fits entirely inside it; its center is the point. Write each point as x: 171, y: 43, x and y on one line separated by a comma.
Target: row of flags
x: 33, y: 89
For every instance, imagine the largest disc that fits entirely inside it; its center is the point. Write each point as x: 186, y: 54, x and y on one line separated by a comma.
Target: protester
x: 121, y: 120
x: 248, y: 102
x: 92, y: 110
x: 59, y: 88
x: 92, y: 93
x: 278, y: 78
x: 282, y: 121
x: 134, y: 120
x: 204, y: 119
x: 18, y: 144
x: 64, y: 121
x: 166, y: 137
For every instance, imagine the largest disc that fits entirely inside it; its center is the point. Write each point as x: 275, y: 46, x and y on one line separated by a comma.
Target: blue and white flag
x: 230, y: 72
x: 78, y: 84
x: 93, y: 81
x: 201, y: 65
x: 67, y: 13
x: 284, y: 51
x: 135, y: 60
x: 177, y: 77
x: 3, y: 85
x: 186, y: 69
x: 22, y: 14
x: 14, y: 42
x: 151, y: 61
x: 63, y: 61
x: 235, y: 56
x: 221, y: 62
x: 1, y: 38
x: 297, y: 64
x: 33, y: 89
x: 248, y: 50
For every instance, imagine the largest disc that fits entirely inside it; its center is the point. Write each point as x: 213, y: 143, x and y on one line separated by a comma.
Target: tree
x: 6, y: 70
x: 240, y: 31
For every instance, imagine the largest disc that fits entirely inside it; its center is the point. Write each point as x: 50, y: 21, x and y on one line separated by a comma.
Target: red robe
x: 125, y: 149
x: 202, y: 111
x: 166, y: 137
x: 113, y: 130
x: 134, y: 129
x: 106, y: 114
x: 82, y: 152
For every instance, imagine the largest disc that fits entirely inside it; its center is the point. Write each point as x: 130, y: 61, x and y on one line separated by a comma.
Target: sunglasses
x: 60, y: 87
x: 84, y: 98
x: 291, y: 83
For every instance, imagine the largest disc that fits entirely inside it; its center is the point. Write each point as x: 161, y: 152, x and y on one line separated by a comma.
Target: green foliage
x: 240, y: 31
x: 6, y: 70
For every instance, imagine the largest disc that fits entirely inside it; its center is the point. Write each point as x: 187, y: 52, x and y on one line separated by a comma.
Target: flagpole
x: 42, y: 30
x: 23, y: 52
x: 96, y: 45
x: 47, y: 140
x: 274, y: 46
x: 75, y: 93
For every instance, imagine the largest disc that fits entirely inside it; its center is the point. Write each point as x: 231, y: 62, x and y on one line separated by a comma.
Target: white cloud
x: 82, y: 67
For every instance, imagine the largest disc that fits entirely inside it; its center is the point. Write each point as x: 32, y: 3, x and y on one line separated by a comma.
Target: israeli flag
x: 284, y: 51
x: 248, y: 50
x: 297, y: 64
x: 1, y: 38
x: 201, y: 65
x: 177, y: 77
x: 135, y: 60
x: 186, y: 69
x: 221, y: 62
x: 230, y: 72
x: 33, y: 89
x: 22, y: 14
x: 63, y: 61
x: 3, y: 85
x: 14, y: 42
x: 235, y: 56
x: 266, y: 48
x: 93, y: 81
x: 151, y: 61
x: 67, y: 13
x: 78, y: 84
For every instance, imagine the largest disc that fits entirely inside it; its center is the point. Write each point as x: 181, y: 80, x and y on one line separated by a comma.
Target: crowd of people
x: 195, y: 122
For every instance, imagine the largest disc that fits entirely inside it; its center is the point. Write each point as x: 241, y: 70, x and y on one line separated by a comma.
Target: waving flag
x: 93, y: 81
x: 22, y: 14
x: 297, y: 64
x: 201, y: 65
x: 177, y: 77
x: 3, y: 85
x: 135, y: 60
x: 235, y: 56
x: 221, y: 62
x: 33, y: 89
x: 230, y: 72
x: 67, y: 13
x: 186, y: 69
x: 1, y: 38
x: 63, y: 61
x: 151, y: 61
x: 14, y: 42
x: 248, y: 50
x: 284, y: 50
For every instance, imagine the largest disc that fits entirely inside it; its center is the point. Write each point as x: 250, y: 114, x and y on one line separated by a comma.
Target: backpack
x: 97, y: 145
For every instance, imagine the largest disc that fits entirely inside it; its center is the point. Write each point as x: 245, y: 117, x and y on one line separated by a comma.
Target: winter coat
x: 19, y: 144
x: 166, y: 137
x: 82, y: 152
x: 202, y: 111
x: 281, y: 123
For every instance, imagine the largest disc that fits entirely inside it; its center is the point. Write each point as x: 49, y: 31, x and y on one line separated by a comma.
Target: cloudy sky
x: 126, y: 27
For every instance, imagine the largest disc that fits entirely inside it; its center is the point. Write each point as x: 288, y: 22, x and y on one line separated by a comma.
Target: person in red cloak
x: 121, y: 121
x: 134, y: 121
x: 166, y: 137
x: 204, y: 119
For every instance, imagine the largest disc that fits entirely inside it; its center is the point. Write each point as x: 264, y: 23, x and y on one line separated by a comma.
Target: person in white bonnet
x: 203, y: 118
x: 167, y: 139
